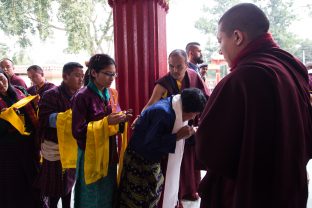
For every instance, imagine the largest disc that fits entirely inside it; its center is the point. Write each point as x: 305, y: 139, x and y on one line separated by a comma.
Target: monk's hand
x: 185, y: 132
x: 116, y: 118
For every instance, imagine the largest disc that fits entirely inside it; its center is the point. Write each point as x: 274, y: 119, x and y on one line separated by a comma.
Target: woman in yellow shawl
x: 94, y: 126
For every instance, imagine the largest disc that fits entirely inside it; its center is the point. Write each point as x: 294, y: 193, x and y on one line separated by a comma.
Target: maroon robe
x: 255, y: 132
x: 189, y: 173
x: 33, y: 90
x: 16, y: 80
x: 52, y: 180
x: 19, y: 160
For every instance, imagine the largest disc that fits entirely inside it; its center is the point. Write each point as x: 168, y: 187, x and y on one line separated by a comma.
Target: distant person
x: 194, y: 55
x: 203, y: 69
x: 160, y: 130
x: 255, y: 135
x: 54, y: 181
x: 39, y: 83
x: 8, y: 68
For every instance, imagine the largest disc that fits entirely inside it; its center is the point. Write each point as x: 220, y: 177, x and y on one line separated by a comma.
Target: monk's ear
x: 239, y: 37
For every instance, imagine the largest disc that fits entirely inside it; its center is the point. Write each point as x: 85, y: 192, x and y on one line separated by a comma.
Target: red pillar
x: 140, y: 49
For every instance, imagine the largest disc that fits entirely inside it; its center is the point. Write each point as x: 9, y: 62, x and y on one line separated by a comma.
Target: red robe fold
x: 255, y: 132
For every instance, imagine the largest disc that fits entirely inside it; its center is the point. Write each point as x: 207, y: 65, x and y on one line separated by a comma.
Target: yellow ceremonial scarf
x: 13, y: 118
x: 96, y: 159
x: 68, y: 147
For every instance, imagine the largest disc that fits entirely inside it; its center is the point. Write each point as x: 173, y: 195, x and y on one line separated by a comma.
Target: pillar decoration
x: 140, y: 49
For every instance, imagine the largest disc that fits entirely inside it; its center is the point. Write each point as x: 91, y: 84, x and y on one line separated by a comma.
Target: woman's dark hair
x: 97, y: 62
x: 193, y: 100
x: 11, y: 90
x: 36, y: 68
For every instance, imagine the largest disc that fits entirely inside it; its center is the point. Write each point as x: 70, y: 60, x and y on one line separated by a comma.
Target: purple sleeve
x: 48, y: 105
x: 79, y: 121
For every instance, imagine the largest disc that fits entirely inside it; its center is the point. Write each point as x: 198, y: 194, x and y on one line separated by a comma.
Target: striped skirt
x: 141, y: 182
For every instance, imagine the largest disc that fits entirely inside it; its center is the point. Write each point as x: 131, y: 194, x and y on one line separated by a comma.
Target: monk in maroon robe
x: 54, y: 181
x: 255, y: 133
x: 190, y: 171
x: 179, y: 78
x: 40, y: 85
x: 8, y: 68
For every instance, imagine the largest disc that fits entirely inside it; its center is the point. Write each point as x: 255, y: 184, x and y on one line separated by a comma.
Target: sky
x: 181, y: 19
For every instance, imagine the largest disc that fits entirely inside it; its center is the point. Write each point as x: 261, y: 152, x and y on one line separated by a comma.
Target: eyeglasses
x: 110, y: 74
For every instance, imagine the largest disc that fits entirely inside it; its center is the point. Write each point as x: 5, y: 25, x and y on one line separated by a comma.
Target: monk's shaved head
x: 247, y: 18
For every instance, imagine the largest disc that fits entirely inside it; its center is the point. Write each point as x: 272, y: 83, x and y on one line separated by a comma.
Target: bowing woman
x: 18, y: 152
x: 94, y: 111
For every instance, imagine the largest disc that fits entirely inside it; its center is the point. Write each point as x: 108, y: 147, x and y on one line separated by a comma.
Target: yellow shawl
x: 97, y: 150
x: 68, y: 147
x: 97, y: 146
x: 13, y: 118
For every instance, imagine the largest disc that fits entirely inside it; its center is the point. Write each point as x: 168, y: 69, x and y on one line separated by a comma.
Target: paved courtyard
x: 189, y: 204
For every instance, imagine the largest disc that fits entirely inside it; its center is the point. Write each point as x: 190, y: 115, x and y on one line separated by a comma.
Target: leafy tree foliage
x: 85, y: 29
x: 303, y: 50
x: 208, y: 24
x: 279, y: 12
x: 3, y: 50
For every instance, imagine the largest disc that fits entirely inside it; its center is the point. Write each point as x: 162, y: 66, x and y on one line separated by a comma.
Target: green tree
x: 279, y: 12
x: 88, y: 23
x: 303, y: 50
x: 4, y: 49
x: 208, y: 24
x: 21, y: 57
x: 281, y: 16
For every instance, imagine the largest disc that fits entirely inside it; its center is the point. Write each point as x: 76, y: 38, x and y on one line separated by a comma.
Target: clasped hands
x: 186, y: 131
x: 116, y: 118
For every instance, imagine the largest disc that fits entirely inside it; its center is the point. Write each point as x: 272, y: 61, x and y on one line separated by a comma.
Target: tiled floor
x: 189, y: 204
x: 196, y: 204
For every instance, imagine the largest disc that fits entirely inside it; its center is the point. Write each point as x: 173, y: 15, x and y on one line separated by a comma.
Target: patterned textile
x: 141, y: 182
x: 101, y: 194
